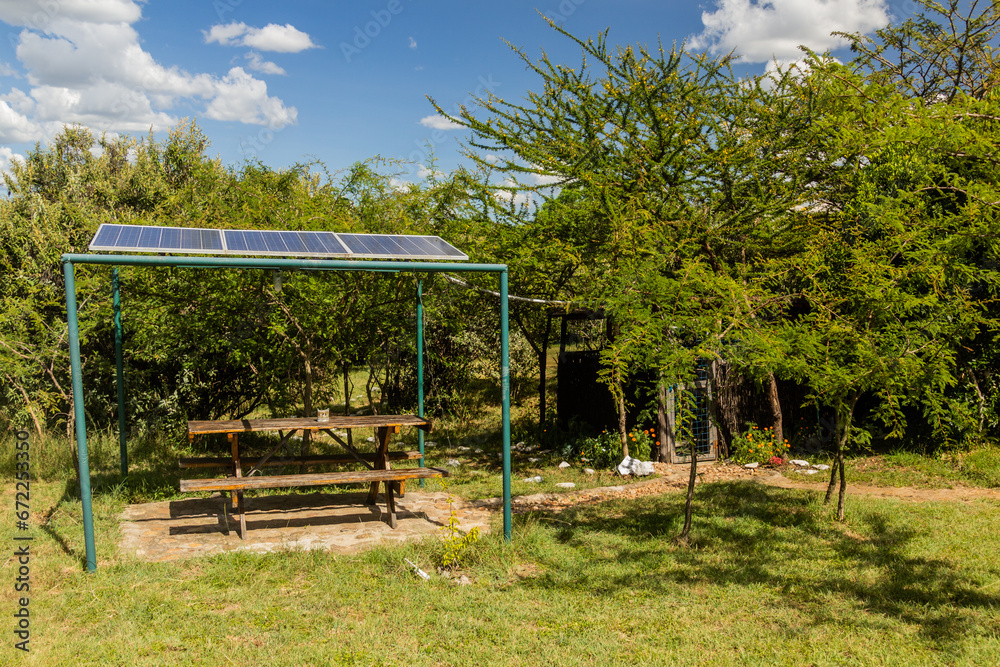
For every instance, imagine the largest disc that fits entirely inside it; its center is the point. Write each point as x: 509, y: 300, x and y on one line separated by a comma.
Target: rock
x: 429, y: 443
x: 533, y: 460
x: 536, y: 478
x: 590, y: 471
x: 464, y: 449
x: 631, y: 466
x: 800, y: 463
x: 370, y: 438
x: 563, y: 465
x: 478, y: 451
x: 810, y: 472
x: 751, y: 465
x: 566, y: 485
x: 821, y: 466
x: 453, y: 463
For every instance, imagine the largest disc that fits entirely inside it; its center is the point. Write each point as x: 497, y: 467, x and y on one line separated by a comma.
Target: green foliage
x: 602, y: 452
x: 758, y: 445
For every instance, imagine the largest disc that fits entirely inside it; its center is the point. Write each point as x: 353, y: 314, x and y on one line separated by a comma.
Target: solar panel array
x: 141, y: 238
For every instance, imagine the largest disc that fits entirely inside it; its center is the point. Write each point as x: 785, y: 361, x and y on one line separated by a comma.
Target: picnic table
x: 244, y: 472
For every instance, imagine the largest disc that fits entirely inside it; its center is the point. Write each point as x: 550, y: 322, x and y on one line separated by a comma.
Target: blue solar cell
x: 149, y: 237
x: 129, y: 238
x: 211, y: 239
x: 106, y: 236
x: 235, y: 240
x: 170, y: 239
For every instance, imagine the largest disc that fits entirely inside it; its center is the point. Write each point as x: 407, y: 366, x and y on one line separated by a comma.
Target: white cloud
x: 518, y: 198
x: 258, y: 64
x: 773, y: 30
x: 15, y: 127
x: 84, y: 63
x: 272, y: 37
x: 439, y: 122
x: 36, y: 14
x: 244, y: 99
x: 413, y: 43
x: 7, y: 156
x: 425, y: 172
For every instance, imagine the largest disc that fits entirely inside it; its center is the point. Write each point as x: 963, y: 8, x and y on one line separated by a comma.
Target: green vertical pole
x: 420, y: 369
x: 81, y: 423
x: 119, y: 369
x: 505, y: 402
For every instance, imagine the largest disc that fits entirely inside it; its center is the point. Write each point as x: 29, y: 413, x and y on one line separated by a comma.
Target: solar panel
x: 142, y: 238
x: 377, y: 246
x: 146, y: 238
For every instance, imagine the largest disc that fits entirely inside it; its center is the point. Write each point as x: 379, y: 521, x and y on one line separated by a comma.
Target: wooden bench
x: 317, y: 479
x: 379, y: 471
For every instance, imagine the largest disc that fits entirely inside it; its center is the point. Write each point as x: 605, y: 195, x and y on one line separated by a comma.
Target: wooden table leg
x: 382, y: 434
x: 234, y: 444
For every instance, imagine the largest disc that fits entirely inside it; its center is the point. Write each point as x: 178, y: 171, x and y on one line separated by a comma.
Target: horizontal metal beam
x: 279, y: 263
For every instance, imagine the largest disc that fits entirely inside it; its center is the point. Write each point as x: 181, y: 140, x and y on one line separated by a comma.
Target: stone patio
x: 341, y: 523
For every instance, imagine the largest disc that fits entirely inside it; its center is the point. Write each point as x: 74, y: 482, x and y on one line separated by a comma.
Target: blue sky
x: 337, y: 81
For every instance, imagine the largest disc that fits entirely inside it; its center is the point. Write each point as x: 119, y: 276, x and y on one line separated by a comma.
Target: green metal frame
x: 70, y: 260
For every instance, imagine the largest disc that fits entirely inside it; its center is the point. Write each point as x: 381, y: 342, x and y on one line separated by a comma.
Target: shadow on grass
x: 779, y: 541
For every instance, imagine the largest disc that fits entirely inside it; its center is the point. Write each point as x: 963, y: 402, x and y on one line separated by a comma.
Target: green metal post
x: 81, y: 423
x: 119, y: 369
x: 420, y: 369
x: 505, y: 402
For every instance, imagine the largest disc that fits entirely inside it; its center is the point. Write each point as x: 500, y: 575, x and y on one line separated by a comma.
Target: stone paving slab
x: 341, y: 523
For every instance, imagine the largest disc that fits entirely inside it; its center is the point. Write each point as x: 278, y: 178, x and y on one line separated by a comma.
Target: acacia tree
x: 901, y: 266
x: 688, y: 172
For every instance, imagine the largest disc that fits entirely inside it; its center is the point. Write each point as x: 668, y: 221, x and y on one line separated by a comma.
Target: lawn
x: 769, y: 578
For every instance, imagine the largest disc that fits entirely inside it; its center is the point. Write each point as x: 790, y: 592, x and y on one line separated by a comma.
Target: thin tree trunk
x: 543, y: 363
x: 622, y: 427
x: 833, y: 479
x: 843, y: 491
x: 347, y: 400
x: 307, y: 396
x: 663, y: 451
x: 689, y: 500
x: 772, y: 395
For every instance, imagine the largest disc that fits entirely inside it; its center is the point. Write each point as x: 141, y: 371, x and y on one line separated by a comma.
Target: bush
x: 758, y: 445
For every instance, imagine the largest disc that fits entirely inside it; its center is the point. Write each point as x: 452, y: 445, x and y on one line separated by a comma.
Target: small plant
x: 759, y: 445
x: 640, y: 444
x: 601, y: 452
x: 456, y: 545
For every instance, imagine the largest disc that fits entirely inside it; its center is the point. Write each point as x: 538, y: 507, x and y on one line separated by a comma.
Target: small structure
x: 276, y: 250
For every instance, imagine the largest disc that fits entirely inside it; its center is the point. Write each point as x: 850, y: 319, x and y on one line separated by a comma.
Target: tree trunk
x: 347, y: 400
x: 772, y: 395
x: 622, y: 427
x: 307, y: 395
x: 662, y: 435
x: 843, y: 491
x: 543, y: 363
x: 689, y: 500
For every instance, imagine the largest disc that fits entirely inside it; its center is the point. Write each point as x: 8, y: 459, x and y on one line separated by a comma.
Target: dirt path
x: 675, y: 478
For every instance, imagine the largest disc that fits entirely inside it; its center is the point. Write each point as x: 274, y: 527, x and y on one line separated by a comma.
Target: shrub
x: 758, y: 445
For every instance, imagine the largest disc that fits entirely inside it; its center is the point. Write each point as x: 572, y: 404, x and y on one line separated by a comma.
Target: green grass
x: 769, y: 578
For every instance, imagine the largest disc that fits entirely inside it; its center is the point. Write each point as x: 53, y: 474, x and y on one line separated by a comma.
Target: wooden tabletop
x: 306, y: 424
